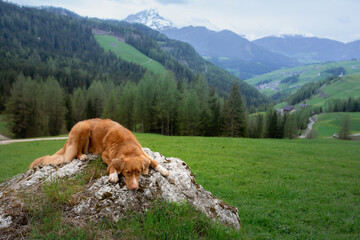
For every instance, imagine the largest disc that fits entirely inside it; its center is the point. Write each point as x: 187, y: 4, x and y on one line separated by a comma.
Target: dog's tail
x: 55, y: 159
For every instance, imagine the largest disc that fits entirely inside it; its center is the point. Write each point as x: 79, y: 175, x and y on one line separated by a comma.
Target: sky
x: 253, y: 19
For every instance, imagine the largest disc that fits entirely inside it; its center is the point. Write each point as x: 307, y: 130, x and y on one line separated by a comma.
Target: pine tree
x: 53, y: 103
x: 290, y: 128
x: 24, y: 109
x: 234, y: 115
x: 189, y: 114
x: 345, y: 128
x: 125, y: 108
x: 144, y: 96
x: 79, y: 104
x: 110, y: 106
x: 214, y: 118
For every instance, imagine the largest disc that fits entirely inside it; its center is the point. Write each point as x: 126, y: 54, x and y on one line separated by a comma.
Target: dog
x: 118, y: 147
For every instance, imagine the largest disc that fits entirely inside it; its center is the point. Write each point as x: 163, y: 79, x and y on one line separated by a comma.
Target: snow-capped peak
x: 150, y: 18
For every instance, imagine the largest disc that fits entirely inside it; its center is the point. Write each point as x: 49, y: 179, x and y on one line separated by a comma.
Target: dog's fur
x: 117, y: 145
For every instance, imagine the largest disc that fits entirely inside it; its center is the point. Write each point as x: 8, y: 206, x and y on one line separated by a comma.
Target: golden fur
x: 118, y: 147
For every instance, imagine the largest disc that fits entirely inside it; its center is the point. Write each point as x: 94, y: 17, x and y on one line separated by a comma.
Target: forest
x: 53, y: 74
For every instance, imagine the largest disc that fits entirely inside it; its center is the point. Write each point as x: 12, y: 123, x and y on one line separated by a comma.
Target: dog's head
x: 131, y: 168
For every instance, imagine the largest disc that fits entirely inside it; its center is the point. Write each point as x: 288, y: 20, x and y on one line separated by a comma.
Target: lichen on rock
x: 101, y: 198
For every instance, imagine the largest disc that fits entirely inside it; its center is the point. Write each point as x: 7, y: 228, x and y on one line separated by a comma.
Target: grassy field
x: 128, y: 53
x: 284, y: 189
x: 307, y: 73
x: 328, y: 123
x: 348, y: 86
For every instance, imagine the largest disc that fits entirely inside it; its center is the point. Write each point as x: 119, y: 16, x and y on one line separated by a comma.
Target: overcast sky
x: 335, y: 19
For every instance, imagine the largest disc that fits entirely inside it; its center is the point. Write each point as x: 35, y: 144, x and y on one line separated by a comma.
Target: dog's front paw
x: 83, y: 157
x: 162, y: 170
x: 113, y: 177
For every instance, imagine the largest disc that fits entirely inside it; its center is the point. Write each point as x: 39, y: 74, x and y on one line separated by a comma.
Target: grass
x: 329, y: 123
x: 128, y: 53
x: 46, y: 213
x: 284, y: 189
x: 308, y: 73
x: 348, y: 86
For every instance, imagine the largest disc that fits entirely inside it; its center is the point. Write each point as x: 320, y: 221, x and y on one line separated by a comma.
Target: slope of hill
x: 310, y: 49
x: 231, y: 51
x: 128, y: 53
x: 72, y: 54
x: 347, y: 86
x: 282, y: 83
x: 328, y: 123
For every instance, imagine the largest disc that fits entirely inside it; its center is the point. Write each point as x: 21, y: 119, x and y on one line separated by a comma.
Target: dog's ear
x: 145, y: 166
x: 118, y: 164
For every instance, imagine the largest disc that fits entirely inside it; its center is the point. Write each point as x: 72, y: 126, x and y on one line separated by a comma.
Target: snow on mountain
x: 150, y: 18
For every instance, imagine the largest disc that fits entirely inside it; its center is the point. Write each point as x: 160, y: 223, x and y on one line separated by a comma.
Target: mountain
x: 310, y: 49
x: 225, y: 49
x: 74, y: 57
x: 231, y: 51
x: 150, y: 18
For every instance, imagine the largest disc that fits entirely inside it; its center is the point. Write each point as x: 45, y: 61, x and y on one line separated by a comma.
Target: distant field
x: 328, y: 123
x: 129, y: 53
x: 290, y: 189
x: 307, y: 73
x: 348, y: 86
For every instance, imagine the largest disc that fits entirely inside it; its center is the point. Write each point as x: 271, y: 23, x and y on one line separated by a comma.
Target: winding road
x: 4, y: 140
x: 309, y: 128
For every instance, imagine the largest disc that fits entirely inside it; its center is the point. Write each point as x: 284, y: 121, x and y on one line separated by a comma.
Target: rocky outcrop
x: 102, y: 198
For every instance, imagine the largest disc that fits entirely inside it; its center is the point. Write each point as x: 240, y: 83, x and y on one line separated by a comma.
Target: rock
x: 103, y: 198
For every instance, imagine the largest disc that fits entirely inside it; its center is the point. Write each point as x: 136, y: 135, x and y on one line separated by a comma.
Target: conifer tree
x: 79, y: 105
x: 53, y: 103
x: 345, y: 128
x: 234, y: 115
x: 290, y: 128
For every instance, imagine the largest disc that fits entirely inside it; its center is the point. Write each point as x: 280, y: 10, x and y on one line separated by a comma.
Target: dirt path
x: 148, y: 61
x: 8, y: 141
x: 309, y: 127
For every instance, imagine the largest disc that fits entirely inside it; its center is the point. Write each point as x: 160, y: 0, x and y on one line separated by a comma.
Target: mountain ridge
x: 311, y: 49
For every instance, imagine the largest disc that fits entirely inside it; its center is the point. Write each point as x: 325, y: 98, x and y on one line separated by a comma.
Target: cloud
x: 167, y: 2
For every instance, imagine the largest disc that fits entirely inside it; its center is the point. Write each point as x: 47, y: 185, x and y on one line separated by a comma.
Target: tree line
x: 156, y: 104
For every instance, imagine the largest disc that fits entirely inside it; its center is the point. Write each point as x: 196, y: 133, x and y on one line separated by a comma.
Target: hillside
x: 73, y: 55
x: 230, y: 51
x: 128, y: 53
x: 282, y: 83
x: 347, y: 86
x: 311, y: 49
x: 329, y: 123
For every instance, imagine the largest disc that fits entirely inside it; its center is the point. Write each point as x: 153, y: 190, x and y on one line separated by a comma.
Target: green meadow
x: 128, y: 53
x: 328, y: 123
x: 307, y: 73
x: 283, y: 189
x: 347, y: 86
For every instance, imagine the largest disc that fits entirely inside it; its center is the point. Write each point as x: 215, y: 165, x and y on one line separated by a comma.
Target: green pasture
x: 328, y: 123
x: 283, y: 189
x: 307, y: 73
x: 347, y: 86
x: 128, y: 53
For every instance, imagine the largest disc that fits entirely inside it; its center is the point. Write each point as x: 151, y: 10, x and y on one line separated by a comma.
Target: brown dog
x: 117, y: 145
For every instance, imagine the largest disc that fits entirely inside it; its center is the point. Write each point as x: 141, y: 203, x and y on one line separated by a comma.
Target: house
x: 288, y: 108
